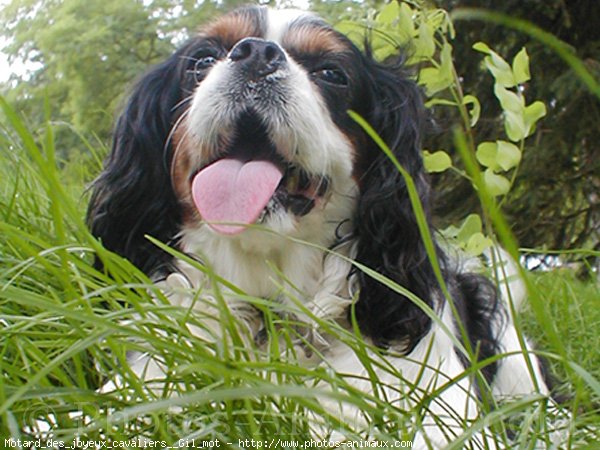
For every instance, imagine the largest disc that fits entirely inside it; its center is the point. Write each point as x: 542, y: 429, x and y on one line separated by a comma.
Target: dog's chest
x: 267, y: 268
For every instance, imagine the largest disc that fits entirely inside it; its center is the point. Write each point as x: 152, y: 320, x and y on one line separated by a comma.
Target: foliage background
x: 556, y: 202
x: 86, y: 53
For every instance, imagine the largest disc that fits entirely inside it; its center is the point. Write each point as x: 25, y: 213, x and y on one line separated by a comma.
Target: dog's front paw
x: 302, y: 331
x: 176, y: 280
x: 178, y: 289
x: 307, y: 335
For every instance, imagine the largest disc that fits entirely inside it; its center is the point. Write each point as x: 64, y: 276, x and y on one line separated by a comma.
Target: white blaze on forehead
x: 278, y: 20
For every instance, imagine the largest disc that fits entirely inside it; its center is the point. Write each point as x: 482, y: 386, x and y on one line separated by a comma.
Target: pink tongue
x: 233, y: 191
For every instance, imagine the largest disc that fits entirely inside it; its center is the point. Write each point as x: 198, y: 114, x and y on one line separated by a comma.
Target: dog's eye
x: 332, y: 76
x: 204, y: 62
x: 201, y: 65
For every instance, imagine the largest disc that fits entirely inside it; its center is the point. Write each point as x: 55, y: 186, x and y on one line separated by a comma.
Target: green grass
x: 575, y: 305
x: 66, y: 329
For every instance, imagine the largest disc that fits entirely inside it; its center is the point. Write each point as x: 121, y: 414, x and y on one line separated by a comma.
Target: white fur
x: 279, y: 20
x: 432, y: 365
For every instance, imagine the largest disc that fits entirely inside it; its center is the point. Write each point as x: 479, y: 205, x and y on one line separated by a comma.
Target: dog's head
x: 247, y: 124
x: 264, y: 137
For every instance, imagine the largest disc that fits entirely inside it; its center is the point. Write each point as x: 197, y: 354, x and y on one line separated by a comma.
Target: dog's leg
x: 519, y: 373
x: 330, y: 302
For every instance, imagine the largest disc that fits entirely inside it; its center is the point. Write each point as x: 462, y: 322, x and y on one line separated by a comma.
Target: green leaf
x: 508, y: 155
x: 446, y: 65
x: 436, y: 162
x: 385, y: 51
x: 405, y: 22
x: 392, y: 13
x: 508, y: 99
x: 450, y: 232
x: 470, y: 236
x: 354, y: 31
x: 482, y: 47
x: 498, y: 155
x: 475, y: 110
x: 437, y: 19
x: 425, y: 44
x: 532, y: 114
x: 500, y: 69
x: 514, y: 110
x: 486, y: 154
x: 514, y: 125
x: 471, y: 225
x: 477, y: 243
x: 495, y: 184
x: 432, y: 79
x: 436, y: 79
x: 520, y: 67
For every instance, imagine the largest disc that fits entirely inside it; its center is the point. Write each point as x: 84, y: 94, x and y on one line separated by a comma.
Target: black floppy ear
x: 388, y: 238
x: 133, y: 195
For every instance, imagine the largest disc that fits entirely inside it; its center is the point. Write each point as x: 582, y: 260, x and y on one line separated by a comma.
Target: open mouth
x: 251, y: 181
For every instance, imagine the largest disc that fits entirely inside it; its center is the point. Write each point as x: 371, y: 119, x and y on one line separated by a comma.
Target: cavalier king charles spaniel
x: 239, y: 151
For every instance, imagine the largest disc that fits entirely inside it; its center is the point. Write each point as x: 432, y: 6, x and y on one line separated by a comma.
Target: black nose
x: 257, y: 57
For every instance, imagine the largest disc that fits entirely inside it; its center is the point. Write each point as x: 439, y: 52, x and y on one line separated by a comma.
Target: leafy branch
x: 429, y: 33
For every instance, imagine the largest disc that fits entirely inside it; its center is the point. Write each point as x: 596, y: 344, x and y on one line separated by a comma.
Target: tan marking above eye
x: 231, y: 29
x: 310, y: 39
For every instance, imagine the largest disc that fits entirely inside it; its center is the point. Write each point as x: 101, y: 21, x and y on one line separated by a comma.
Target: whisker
x: 178, y: 147
x: 322, y: 185
x: 182, y: 102
x: 175, y: 127
x: 176, y: 151
x: 195, y: 73
x: 189, y: 58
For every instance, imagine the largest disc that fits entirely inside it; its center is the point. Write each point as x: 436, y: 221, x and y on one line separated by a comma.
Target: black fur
x: 385, y: 224
x: 133, y: 196
x: 479, y: 307
x: 388, y: 237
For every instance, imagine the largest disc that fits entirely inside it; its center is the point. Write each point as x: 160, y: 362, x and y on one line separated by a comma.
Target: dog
x: 238, y: 150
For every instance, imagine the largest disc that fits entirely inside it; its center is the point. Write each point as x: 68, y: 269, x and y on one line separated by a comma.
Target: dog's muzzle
x: 251, y: 179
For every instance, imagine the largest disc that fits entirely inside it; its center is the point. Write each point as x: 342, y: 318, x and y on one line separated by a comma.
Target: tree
x: 555, y: 202
x: 88, y: 52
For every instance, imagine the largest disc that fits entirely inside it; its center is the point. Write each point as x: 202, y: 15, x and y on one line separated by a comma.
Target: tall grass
x: 67, y: 328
